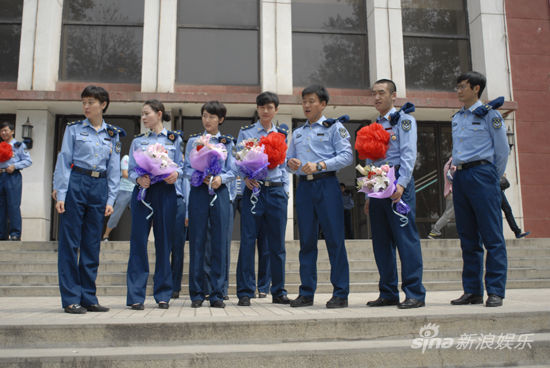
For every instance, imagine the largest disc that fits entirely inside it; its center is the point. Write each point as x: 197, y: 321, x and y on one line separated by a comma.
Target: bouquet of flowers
x: 253, y: 162
x: 6, y: 152
x: 380, y: 182
x: 155, y: 162
x: 207, y: 160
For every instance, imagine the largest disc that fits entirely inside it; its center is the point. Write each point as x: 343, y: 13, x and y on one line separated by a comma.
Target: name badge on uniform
x: 298, y: 135
x: 320, y: 134
x: 169, y: 143
x: 143, y: 143
x: 107, y: 138
x: 83, y: 133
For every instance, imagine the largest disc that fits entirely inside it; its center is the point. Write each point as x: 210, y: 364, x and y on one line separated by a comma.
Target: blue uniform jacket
x: 20, y: 159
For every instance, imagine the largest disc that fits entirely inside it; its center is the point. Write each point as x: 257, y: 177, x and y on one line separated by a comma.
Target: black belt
x: 311, y: 177
x: 267, y: 183
x: 468, y: 165
x: 92, y: 173
x: 6, y: 171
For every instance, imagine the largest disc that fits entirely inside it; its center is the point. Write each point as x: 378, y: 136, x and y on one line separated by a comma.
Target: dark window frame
x: 15, y: 22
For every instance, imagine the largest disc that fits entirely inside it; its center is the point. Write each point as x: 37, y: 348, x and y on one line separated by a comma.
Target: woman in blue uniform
x: 160, y: 199
x: 86, y: 179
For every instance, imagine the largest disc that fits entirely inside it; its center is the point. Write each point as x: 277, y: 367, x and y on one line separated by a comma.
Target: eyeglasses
x: 462, y: 87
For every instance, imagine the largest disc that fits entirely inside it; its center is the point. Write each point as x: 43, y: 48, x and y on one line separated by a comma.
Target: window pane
x: 102, y: 54
x: 434, y: 17
x: 104, y: 11
x: 435, y: 63
x: 329, y: 15
x: 10, y: 35
x: 12, y: 10
x: 338, y: 61
x: 218, y: 13
x: 209, y: 56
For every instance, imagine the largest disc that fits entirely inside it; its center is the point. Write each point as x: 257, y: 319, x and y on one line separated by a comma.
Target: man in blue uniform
x: 480, y: 154
x: 11, y: 183
x: 269, y: 214
x: 318, y: 149
x: 387, y: 230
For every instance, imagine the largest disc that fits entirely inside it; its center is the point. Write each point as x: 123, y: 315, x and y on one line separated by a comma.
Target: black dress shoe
x: 244, y: 301
x: 467, y: 298
x: 283, y: 299
x: 96, y: 308
x: 164, y: 305
x: 217, y: 304
x: 175, y: 295
x: 381, y: 302
x: 494, y: 301
x: 196, y: 303
x: 301, y: 301
x: 411, y: 303
x: 337, y: 302
x: 262, y: 295
x: 15, y: 238
x: 225, y: 297
x: 137, y: 306
x: 75, y: 309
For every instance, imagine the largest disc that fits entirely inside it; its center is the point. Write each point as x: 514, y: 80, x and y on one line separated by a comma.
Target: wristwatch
x: 319, y: 167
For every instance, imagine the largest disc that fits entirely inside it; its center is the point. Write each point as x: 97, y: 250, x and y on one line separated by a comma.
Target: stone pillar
x: 385, y: 33
x: 276, y: 46
x: 149, y: 63
x: 36, y: 203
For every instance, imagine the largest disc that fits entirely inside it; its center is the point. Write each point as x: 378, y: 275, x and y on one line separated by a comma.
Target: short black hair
x: 157, y: 106
x: 99, y: 93
x: 8, y: 124
x: 389, y: 82
x: 267, y: 97
x: 474, y: 79
x: 319, y: 90
x: 215, y: 108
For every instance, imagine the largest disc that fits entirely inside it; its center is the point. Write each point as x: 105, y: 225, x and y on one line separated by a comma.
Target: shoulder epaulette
x: 114, y: 130
x: 330, y: 122
x: 179, y: 132
x: 226, y: 138
x: 17, y: 144
x: 407, y: 108
x: 247, y: 127
x: 74, y: 122
x: 195, y: 135
x: 483, y: 110
x: 283, y: 128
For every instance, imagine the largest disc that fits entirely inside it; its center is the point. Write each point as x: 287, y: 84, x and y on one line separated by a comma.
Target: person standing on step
x: 209, y: 203
x: 449, y: 213
x: 269, y: 214
x: 11, y: 183
x: 86, y: 180
x: 480, y: 154
x: 388, y: 233
x: 317, y: 150
x: 507, y: 209
x: 158, y: 207
x: 123, y: 198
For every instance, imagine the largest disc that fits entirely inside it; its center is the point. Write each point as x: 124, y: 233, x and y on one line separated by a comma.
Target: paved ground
x: 47, y: 310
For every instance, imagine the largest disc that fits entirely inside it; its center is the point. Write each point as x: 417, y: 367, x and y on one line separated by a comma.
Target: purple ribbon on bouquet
x: 214, y: 168
x: 142, y: 191
x: 258, y: 174
x: 401, y: 209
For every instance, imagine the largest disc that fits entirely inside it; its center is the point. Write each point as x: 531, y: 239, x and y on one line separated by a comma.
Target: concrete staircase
x: 30, y: 268
x: 35, y: 333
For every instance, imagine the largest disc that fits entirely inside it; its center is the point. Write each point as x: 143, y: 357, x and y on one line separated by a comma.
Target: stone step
x: 292, y: 254
x: 292, y: 277
x: 361, y: 353
x: 322, y: 287
x: 291, y: 265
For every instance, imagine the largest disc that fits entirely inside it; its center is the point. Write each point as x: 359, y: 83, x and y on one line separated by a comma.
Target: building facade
x: 186, y: 52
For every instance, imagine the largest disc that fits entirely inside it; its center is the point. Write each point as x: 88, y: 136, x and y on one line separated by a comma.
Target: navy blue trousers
x: 200, y: 213
x: 319, y: 202
x: 477, y: 201
x: 387, y: 236
x: 270, y: 217
x: 10, y: 204
x: 179, y: 245
x: 162, y: 197
x: 80, y: 229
